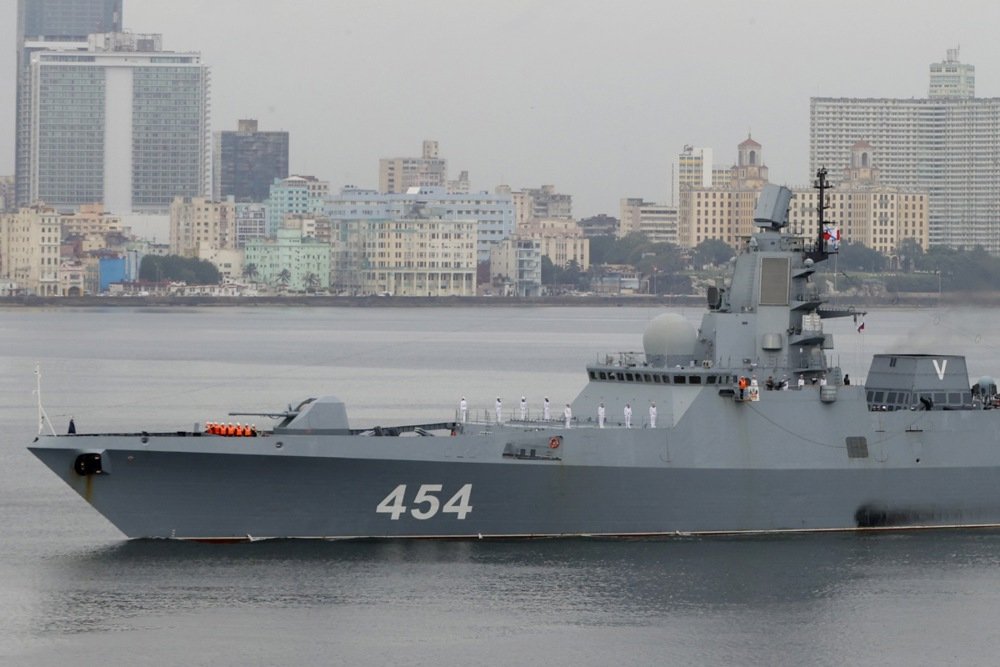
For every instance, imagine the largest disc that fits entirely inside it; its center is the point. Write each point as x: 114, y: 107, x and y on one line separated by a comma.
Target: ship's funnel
x: 669, y: 340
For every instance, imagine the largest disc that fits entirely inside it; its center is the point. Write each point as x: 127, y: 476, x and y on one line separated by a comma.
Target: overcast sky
x: 593, y: 97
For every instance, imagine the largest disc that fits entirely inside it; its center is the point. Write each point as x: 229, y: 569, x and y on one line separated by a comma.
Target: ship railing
x: 485, y: 417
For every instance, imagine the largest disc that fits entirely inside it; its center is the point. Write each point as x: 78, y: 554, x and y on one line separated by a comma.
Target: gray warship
x: 914, y: 446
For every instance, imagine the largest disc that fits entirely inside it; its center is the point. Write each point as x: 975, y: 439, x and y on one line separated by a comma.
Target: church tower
x: 749, y: 172
x: 862, y: 168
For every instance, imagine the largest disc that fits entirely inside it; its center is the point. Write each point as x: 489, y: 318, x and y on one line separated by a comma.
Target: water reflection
x: 577, y: 581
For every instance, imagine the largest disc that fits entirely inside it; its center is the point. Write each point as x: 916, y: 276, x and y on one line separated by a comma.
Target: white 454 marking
x: 425, y: 502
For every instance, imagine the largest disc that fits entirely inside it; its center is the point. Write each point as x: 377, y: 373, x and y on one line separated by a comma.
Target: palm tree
x: 284, y: 278
x: 250, y: 272
x: 312, y: 282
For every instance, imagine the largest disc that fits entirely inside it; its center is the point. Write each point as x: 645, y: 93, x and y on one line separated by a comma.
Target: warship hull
x: 727, y: 467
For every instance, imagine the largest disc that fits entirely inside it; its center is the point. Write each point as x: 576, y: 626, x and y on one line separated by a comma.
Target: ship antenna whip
x: 42, y: 417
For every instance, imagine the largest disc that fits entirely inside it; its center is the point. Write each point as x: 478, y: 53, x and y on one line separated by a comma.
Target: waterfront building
x: 47, y: 25
x: 289, y: 261
x: 247, y: 161
x: 517, y: 264
x: 30, y: 250
x: 305, y: 195
x: 658, y: 222
x: 407, y: 256
x: 398, y: 174
x: 197, y: 222
x: 122, y: 123
x: 492, y: 213
x: 229, y: 261
x: 562, y: 241
x: 946, y: 145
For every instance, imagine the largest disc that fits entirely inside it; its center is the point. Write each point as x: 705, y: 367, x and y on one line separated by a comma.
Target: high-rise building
x: 122, y: 123
x: 246, y: 162
x: 946, y: 145
x: 951, y: 78
x: 46, y: 25
x: 399, y: 174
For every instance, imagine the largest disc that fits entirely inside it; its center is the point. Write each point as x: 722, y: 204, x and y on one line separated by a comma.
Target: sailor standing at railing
x: 600, y: 415
x: 546, y: 409
x: 524, y: 409
x: 652, y: 415
x: 568, y: 415
x: 499, y: 410
x: 628, y: 416
x: 463, y: 410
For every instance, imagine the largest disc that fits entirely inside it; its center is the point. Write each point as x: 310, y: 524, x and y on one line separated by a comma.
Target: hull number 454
x: 425, y: 503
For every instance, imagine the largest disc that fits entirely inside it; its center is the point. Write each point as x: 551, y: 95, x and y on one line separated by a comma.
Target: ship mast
x: 819, y: 253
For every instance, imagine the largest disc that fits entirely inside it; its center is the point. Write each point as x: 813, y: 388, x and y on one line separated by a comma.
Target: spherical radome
x: 669, y: 334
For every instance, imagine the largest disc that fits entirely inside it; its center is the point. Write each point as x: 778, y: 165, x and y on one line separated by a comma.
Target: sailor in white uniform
x: 568, y: 415
x: 546, y: 411
x: 524, y: 409
x: 652, y: 415
x: 628, y: 416
x: 600, y: 416
x: 499, y: 410
x: 463, y: 410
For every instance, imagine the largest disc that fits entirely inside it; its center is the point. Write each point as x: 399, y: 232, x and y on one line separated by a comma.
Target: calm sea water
x: 74, y: 592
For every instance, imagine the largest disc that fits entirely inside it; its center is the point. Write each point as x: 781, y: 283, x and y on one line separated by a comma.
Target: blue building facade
x: 493, y: 213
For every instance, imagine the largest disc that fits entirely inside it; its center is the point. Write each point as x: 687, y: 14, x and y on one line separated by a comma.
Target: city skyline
x: 597, y: 101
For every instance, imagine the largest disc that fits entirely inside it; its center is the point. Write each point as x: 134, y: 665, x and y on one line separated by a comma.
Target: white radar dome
x: 667, y: 337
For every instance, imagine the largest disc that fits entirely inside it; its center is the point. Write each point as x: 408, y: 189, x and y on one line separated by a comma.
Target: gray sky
x: 592, y: 96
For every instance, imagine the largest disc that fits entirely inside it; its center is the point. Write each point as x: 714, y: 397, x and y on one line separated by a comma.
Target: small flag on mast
x: 861, y: 327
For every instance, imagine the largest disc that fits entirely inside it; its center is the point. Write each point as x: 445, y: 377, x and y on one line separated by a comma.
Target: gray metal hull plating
x: 725, y: 467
